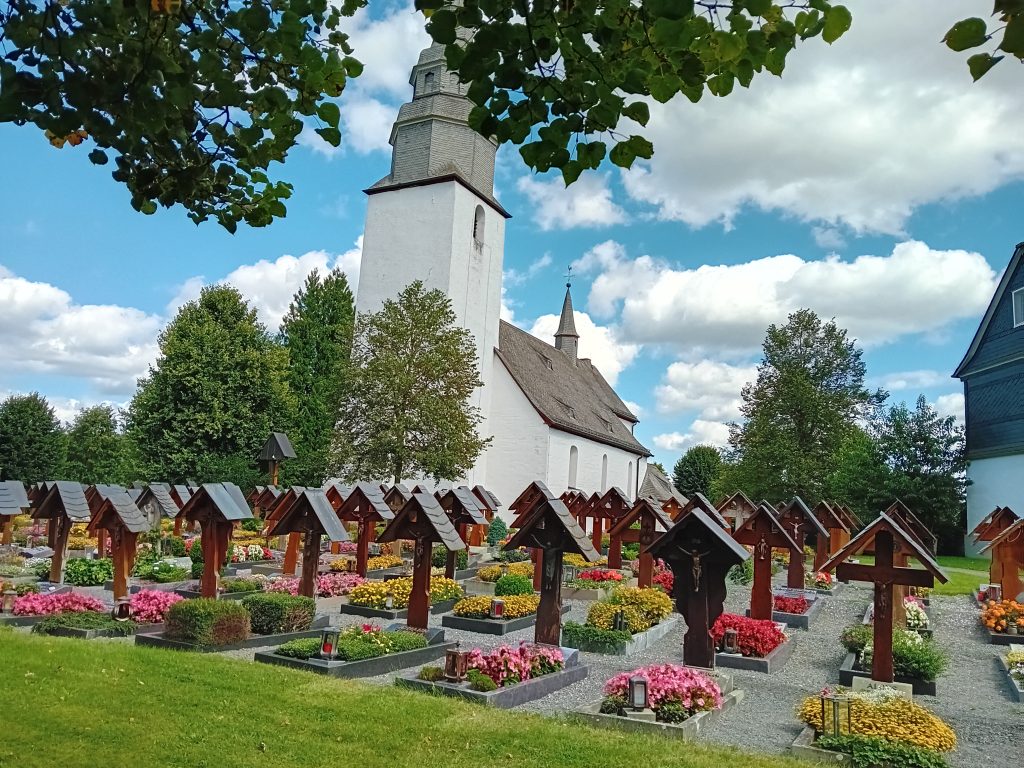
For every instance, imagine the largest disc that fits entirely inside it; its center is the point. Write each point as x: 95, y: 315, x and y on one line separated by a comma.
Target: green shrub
x: 196, y: 553
x: 478, y: 681
x: 742, y: 573
x: 431, y: 674
x: 303, y: 648
x: 439, y: 558
x: 197, y: 568
x: 165, y: 573
x: 42, y: 569
x: 207, y: 622
x: 513, y: 584
x: 242, y: 585
x: 630, y: 551
x: 856, y: 636
x: 174, y: 546
x: 593, y: 639
x: 871, y: 751
x: 672, y: 712
x: 496, y: 531
x: 275, y: 612
x: 83, y: 572
x: 921, y: 660
x: 253, y: 524
x: 84, y: 620
x: 406, y: 641
x: 514, y: 556
x: 355, y: 647
x: 614, y: 705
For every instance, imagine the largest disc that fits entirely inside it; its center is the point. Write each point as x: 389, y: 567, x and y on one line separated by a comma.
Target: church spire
x: 566, y: 338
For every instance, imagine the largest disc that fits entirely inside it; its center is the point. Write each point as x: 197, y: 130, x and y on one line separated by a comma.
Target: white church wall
x: 518, y: 453
x: 995, y: 482
x: 589, y: 466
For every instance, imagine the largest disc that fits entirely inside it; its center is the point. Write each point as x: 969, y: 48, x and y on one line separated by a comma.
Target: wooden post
x: 615, y: 552
x: 595, y: 536
x: 211, y: 559
x: 310, y: 559
x: 177, y: 526
x: 419, y: 600
x: 821, y: 549
x: 120, y: 556
x: 537, y: 556
x: 366, y: 533
x: 548, y: 630
x: 795, y: 573
x: 881, y: 659
x: 291, y: 554
x: 646, y: 576
x: 761, y: 600
x: 1009, y: 563
x: 899, y: 591
x: 451, y: 562
x: 59, y: 528
x: 8, y: 532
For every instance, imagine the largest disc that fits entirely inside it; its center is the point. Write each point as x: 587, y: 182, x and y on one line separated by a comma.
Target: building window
x: 428, y: 82
x: 1018, y: 307
x: 604, y: 473
x: 629, y: 478
x: 574, y: 461
x: 478, y: 226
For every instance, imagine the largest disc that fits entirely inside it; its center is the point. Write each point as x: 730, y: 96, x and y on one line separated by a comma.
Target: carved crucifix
x: 763, y: 531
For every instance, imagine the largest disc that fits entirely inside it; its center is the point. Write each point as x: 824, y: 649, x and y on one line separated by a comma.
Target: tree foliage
x: 697, y: 470
x: 407, y: 408
x: 318, y: 334
x: 97, y: 450
x: 807, y: 398
x: 1006, y: 37
x: 194, y: 100
x: 563, y: 78
x: 31, y: 440
x: 217, y: 390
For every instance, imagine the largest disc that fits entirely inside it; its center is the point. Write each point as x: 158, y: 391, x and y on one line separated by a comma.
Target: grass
x: 115, y: 705
x: 959, y: 583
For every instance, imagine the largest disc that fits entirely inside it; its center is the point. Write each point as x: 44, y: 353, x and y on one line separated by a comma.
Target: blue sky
x: 873, y: 182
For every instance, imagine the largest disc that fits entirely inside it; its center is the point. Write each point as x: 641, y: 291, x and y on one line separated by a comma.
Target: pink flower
x: 150, y: 605
x: 44, y: 605
x: 668, y: 683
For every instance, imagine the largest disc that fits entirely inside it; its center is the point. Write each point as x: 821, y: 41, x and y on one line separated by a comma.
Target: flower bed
x: 505, y: 677
x: 794, y: 608
x: 29, y: 608
x: 1004, y: 620
x: 370, y: 599
x: 916, y: 660
x: 1013, y: 663
x: 784, y: 604
x: 492, y: 573
x: 150, y: 606
x: 472, y: 614
x: 378, y: 563
x: 85, y: 572
x: 641, y: 609
x: 763, y: 647
x: 327, y: 584
x: 875, y: 726
x: 84, y: 624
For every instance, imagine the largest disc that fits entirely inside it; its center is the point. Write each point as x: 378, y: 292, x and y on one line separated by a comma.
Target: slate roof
x: 372, y: 493
x: 697, y: 516
x: 436, y: 516
x: 764, y: 509
x: 315, y: 501
x: 184, y: 493
x: 567, y: 320
x: 13, y: 498
x: 130, y: 515
x: 67, y: 496
x: 1016, y: 529
x: 227, y: 498
x: 569, y: 394
x: 277, y: 447
x: 642, y: 505
x: 580, y: 540
x: 658, y: 486
x: 699, y: 502
x: 965, y: 369
x: 161, y: 494
x: 867, y: 535
x: 469, y: 503
x: 829, y: 517
x: 490, y: 501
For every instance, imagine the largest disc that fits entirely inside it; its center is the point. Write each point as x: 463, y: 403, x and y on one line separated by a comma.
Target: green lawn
x: 69, y: 703
x: 961, y: 583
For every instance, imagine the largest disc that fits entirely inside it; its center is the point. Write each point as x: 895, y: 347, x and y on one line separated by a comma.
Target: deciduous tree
x: 407, y: 408
x: 697, y: 470
x: 98, y: 451
x: 31, y: 440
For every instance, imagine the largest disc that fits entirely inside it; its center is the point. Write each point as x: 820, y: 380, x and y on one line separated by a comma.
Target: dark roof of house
x: 67, y: 496
x: 658, y: 486
x: 964, y: 369
x: 277, y: 447
x: 13, y: 498
x: 867, y: 535
x: 569, y: 394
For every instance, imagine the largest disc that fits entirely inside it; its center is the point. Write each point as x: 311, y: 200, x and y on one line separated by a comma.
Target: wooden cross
x: 763, y: 532
x: 653, y: 521
x: 797, y: 517
x: 365, y: 506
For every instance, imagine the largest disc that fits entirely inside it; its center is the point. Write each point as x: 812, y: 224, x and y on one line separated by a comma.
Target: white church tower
x: 434, y: 217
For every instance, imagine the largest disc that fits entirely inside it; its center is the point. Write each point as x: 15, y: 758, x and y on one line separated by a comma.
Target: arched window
x: 574, y: 461
x: 604, y: 473
x: 478, y: 225
x: 428, y: 82
x: 629, y: 479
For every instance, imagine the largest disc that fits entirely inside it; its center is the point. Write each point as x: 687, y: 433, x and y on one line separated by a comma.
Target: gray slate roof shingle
x: 317, y: 502
x: 659, y: 487
x: 570, y: 395
x: 132, y: 518
x: 160, y: 493
x: 67, y: 495
x: 13, y: 498
x: 435, y: 515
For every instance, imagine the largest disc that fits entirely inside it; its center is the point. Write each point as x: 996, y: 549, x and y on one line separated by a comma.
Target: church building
x: 551, y: 414
x: 993, y: 375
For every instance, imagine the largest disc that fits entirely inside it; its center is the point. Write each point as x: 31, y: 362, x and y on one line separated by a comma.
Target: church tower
x: 434, y: 217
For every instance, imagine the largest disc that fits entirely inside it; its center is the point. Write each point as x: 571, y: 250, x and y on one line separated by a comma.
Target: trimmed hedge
x: 274, y: 612
x: 513, y: 584
x: 207, y: 622
x: 84, y: 620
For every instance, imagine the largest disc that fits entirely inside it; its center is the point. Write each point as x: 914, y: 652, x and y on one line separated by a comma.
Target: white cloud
x: 915, y: 380
x: 597, y: 342
x: 830, y: 238
x: 518, y: 277
x: 587, y: 203
x: 711, y: 388
x: 951, y: 405
x: 638, y: 410
x: 859, y: 133
x: 701, y: 432
x: 388, y: 47
x: 915, y: 289
x: 366, y: 124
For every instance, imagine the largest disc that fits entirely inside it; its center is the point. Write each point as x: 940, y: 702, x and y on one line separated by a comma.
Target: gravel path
x: 973, y: 695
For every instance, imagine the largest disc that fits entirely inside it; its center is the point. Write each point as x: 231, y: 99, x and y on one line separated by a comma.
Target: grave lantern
x: 350, y: 565
x: 638, y: 698
x: 831, y: 713
x: 374, y: 549
x: 389, y: 602
x: 619, y: 621
x: 994, y: 592
x: 9, y: 597
x: 329, y: 644
x: 569, y: 573
x: 731, y: 641
x: 122, y: 610
x: 497, y: 608
x: 455, y: 664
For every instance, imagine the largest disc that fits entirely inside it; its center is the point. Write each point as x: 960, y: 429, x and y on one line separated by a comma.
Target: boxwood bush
x: 274, y: 612
x: 84, y: 572
x: 513, y: 584
x: 207, y: 622
x: 439, y: 558
x: 301, y: 648
x: 84, y: 620
x: 496, y: 531
x: 594, y: 639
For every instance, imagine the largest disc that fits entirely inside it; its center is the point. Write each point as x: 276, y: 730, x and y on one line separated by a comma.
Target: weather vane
x: 568, y: 277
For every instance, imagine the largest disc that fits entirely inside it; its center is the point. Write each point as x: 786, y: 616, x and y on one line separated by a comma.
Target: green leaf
x: 331, y: 135
x: 980, y: 63
x: 98, y: 156
x: 638, y: 111
x: 329, y: 113
x: 758, y: 7
x: 622, y: 155
x: 1013, y: 37
x: 837, y: 21
x: 669, y: 9
x: 442, y: 26
x: 663, y: 88
x: 969, y: 33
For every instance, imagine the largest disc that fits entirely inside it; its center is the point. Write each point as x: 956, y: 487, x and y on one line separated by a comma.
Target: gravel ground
x: 973, y: 695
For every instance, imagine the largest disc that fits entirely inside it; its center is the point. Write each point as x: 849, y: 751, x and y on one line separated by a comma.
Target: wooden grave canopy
x: 700, y: 502
x: 653, y: 522
x: 762, y: 532
x: 216, y: 507
x: 1007, y: 552
x: 912, y: 524
x: 465, y: 511
x: 891, y: 544
x: 364, y: 505
x: 994, y: 523
x: 279, y: 506
x: 838, y: 533
x: 852, y: 521
x: 612, y: 507
x: 490, y: 502
x: 64, y: 504
x: 527, y: 500
x: 277, y: 448
x: 312, y: 516
x: 338, y: 491
x: 182, y: 493
x: 736, y: 508
x: 423, y: 520
x: 700, y: 552
x: 550, y: 529
x: 490, y: 505
x: 13, y: 502
x: 123, y: 521
x: 396, y: 496
x: 800, y: 522
x: 157, y: 502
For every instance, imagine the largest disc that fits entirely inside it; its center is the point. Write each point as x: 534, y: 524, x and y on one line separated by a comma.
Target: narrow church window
x: 629, y: 477
x: 604, y: 473
x: 574, y: 460
x: 1018, y: 307
x: 428, y: 82
x: 478, y: 225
